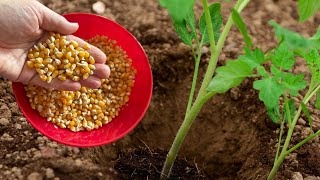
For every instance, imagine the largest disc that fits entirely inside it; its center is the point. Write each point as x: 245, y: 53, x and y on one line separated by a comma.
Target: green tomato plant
x: 272, y: 70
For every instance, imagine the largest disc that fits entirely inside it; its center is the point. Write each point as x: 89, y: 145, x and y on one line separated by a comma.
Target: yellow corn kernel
x: 51, y: 67
x: 102, y: 104
x: 100, y: 115
x: 83, y: 89
x: 85, y: 76
x: 62, y: 77
x: 64, y: 100
x: 76, y: 78
x: 92, y: 67
x: 81, y: 54
x: 75, y: 44
x: 30, y: 56
x: 46, y: 51
x: 59, y: 55
x: 87, y: 54
x: 40, y: 71
x: 36, y: 54
x: 69, y: 72
x: 43, y: 77
x: 67, y: 66
x: 86, y: 69
x: 68, y: 55
x: 39, y: 60
x: 91, y: 60
x: 30, y: 64
x: 55, y: 73
x: 86, y: 46
x: 99, y: 123
x: 49, y: 79
x: 72, y: 123
x: 52, y: 46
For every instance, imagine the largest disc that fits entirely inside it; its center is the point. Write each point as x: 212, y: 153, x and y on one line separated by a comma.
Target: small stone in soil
x: 17, y: 126
x: 35, y: 176
x: 297, y: 176
x: 204, y: 50
x: 4, y: 121
x: 301, y: 121
x: 6, y: 137
x: 166, y: 45
x: 49, y: 173
x: 99, y: 7
x: 78, y: 162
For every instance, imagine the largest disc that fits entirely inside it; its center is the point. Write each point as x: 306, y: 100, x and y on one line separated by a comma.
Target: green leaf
x: 313, y: 59
x: 229, y: 76
x: 183, y: 32
x: 274, y: 114
x: 269, y: 91
x: 307, y: 8
x: 283, y: 57
x: 178, y: 9
x: 292, y: 110
x: 306, y: 112
x: 216, y: 19
x: 294, y: 83
x: 253, y: 58
x: 262, y: 71
x: 290, y: 82
x: 241, y: 26
x: 191, y: 21
x: 294, y: 40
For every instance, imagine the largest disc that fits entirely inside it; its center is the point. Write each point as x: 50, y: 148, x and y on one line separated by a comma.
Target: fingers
x: 67, y: 85
x: 30, y: 76
x: 95, y: 52
x: 92, y: 82
x: 102, y: 71
x: 51, y: 21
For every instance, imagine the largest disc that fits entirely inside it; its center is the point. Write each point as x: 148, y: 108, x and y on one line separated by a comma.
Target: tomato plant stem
x: 302, y: 142
x: 190, y: 116
x: 284, y: 151
x: 195, y: 76
x: 279, y: 141
x: 215, y: 52
x: 279, y: 161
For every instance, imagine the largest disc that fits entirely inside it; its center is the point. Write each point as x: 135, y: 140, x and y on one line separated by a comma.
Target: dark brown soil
x: 232, y: 138
x: 147, y: 164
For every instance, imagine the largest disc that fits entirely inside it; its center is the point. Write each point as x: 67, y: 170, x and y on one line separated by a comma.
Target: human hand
x: 23, y: 23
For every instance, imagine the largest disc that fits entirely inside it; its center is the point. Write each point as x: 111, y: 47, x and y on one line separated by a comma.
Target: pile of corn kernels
x: 88, y: 109
x: 58, y: 57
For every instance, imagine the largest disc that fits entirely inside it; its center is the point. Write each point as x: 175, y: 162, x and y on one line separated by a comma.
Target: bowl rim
x: 83, y: 145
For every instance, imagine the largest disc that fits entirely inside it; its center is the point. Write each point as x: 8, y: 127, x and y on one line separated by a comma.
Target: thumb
x: 51, y: 21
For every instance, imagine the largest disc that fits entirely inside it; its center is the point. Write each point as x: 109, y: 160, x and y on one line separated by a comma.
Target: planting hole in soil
x: 234, y: 135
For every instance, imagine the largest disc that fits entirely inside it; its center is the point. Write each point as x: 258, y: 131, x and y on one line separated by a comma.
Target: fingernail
x: 97, y: 84
x: 75, y: 25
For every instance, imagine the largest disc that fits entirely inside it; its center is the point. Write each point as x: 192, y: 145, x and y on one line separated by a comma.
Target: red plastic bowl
x: 92, y: 25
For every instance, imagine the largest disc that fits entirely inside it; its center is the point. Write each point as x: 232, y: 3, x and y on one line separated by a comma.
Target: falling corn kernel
x: 86, y: 109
